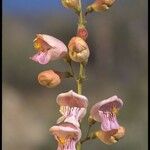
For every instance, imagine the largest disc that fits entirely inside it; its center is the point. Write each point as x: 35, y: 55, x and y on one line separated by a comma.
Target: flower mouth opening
x: 41, y: 45
x: 112, y: 104
x: 61, y: 140
x: 115, y: 110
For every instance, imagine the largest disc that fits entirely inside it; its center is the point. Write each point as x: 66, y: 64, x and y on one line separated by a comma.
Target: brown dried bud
x: 73, y: 4
x: 78, y: 50
x: 50, y: 78
x: 111, y: 137
x: 100, y: 5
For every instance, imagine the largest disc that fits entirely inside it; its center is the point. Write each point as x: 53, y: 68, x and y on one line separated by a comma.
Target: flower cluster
x: 67, y: 131
x: 73, y: 106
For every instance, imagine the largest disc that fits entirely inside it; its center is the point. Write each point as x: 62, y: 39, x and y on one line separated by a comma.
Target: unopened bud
x: 50, y: 78
x: 78, y: 50
x: 82, y: 32
x: 100, y: 5
x: 111, y: 137
x: 73, y: 4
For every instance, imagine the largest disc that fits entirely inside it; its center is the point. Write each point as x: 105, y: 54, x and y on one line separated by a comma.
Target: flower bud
x: 111, y: 137
x: 50, y: 78
x: 73, y: 4
x: 82, y: 32
x: 100, y: 5
x: 78, y: 50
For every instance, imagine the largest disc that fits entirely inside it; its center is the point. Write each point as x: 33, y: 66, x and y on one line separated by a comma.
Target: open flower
x: 50, y: 78
x: 111, y: 137
x: 106, y: 111
x: 78, y: 50
x: 100, y: 5
x: 67, y: 136
x: 49, y: 48
x: 72, y: 107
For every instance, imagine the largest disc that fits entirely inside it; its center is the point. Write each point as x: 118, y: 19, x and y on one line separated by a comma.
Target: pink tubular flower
x: 72, y: 107
x: 105, y: 112
x: 67, y: 136
x: 49, y: 49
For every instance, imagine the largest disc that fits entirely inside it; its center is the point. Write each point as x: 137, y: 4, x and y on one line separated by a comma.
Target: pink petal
x: 56, y: 53
x: 108, y: 121
x: 72, y: 115
x: 42, y: 57
x: 72, y: 99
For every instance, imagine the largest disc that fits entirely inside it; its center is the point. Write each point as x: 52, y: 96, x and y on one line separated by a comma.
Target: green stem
x: 86, y: 139
x: 90, y: 136
x: 87, y: 135
x: 88, y: 131
x: 81, y: 22
x: 80, y: 79
x: 79, y: 146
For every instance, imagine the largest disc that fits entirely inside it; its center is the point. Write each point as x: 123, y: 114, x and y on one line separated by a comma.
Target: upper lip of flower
x: 106, y: 105
x: 38, y: 44
x: 50, y: 40
x: 72, y: 99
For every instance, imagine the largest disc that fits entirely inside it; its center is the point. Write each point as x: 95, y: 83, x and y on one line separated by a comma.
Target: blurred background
x: 117, y: 66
